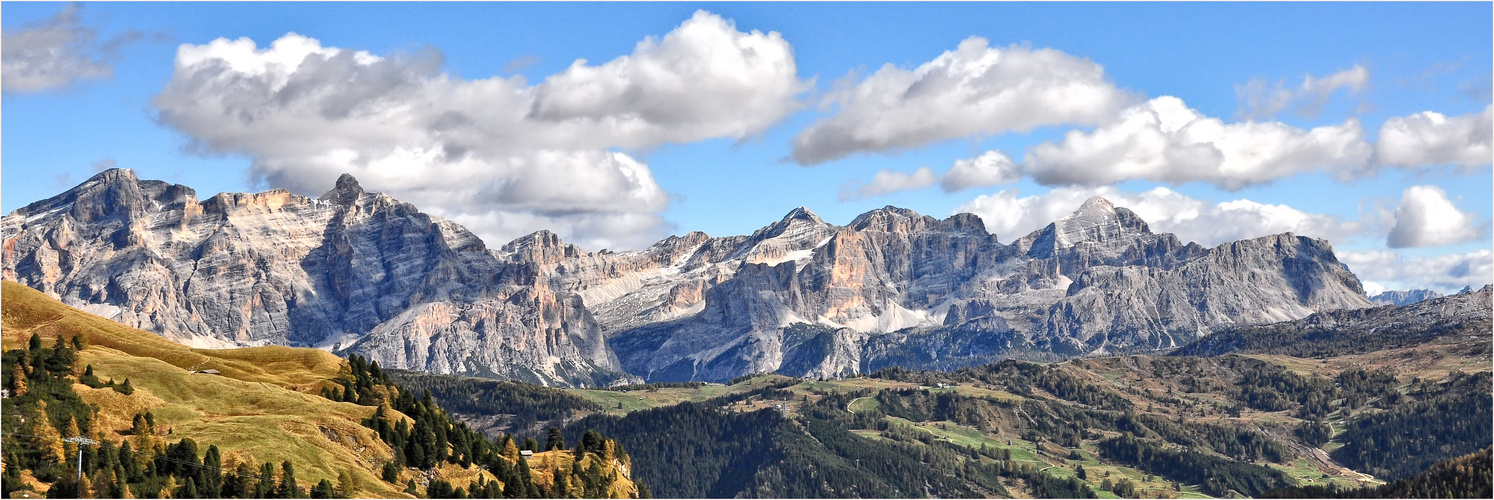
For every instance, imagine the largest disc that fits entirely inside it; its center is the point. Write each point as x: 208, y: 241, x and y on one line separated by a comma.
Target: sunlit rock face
x: 354, y: 271
x: 351, y: 270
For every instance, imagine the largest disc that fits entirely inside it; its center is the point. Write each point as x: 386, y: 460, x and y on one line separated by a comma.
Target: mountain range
x: 360, y: 272
x: 1404, y: 297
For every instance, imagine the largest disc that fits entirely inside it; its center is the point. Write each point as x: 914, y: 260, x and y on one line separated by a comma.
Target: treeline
x: 1020, y: 377
x: 658, y: 385
x: 434, y: 437
x: 1468, y: 476
x: 43, y: 410
x: 529, y: 404
x: 1439, y: 421
x: 1214, y: 475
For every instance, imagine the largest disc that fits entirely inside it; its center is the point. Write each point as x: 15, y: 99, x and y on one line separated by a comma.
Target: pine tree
x: 69, y: 429
x: 18, y: 381
x: 103, y: 484
x: 562, y: 484
x: 44, y: 437
x: 212, y: 473
x: 323, y: 489
x: 85, y: 487
x: 390, y: 473
x: 510, y: 451
x: 188, y: 490
x: 555, y: 440
x: 345, y: 484
x: 288, y: 488
x: 35, y: 342
x: 137, y: 426
x: 266, y: 485
x: 417, y: 456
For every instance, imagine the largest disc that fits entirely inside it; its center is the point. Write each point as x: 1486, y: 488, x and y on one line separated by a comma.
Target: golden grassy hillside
x: 264, y: 407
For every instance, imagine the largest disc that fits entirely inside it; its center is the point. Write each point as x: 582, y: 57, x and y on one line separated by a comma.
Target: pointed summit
x: 345, y: 192
x: 1096, y: 204
x: 111, y: 192
x: 1099, y: 221
x: 802, y: 213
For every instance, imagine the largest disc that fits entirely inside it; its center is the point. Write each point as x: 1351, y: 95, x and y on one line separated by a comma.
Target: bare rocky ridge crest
x: 361, y: 272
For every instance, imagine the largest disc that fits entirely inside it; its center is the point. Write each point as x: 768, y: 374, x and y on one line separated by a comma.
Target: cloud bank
x: 503, y: 157
x: 1165, y: 141
x: 1431, y: 138
x: 973, y: 90
x: 1011, y: 216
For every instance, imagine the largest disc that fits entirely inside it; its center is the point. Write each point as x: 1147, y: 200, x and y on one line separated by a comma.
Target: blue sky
x: 477, y: 112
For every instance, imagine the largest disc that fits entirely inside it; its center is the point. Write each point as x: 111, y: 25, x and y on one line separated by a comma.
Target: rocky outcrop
x: 354, y: 271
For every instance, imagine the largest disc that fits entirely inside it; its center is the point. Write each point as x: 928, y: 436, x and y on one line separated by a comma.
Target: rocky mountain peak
x: 965, y: 223
x: 1096, y: 221
x: 345, y: 192
x: 1099, y: 221
x: 113, y: 192
x: 892, y: 219
x: 803, y: 214
x: 1096, y: 204
x: 543, y: 247
x: 798, y: 221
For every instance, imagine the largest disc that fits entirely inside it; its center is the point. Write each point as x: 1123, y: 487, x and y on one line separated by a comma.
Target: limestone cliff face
x: 349, y: 271
x: 360, y: 272
x: 896, y: 287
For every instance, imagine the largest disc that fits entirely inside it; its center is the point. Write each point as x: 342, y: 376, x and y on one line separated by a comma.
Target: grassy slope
x: 263, y: 407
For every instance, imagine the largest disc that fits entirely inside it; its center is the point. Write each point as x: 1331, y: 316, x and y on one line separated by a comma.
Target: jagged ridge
x: 361, y: 272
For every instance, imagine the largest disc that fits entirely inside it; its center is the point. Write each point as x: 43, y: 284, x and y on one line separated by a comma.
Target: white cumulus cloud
x: 1388, y: 270
x: 974, y: 89
x: 1431, y: 138
x: 1011, y: 216
x: 887, y: 182
x: 989, y: 169
x: 498, y: 154
x: 1165, y: 141
x: 1426, y: 218
x: 1259, y: 98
